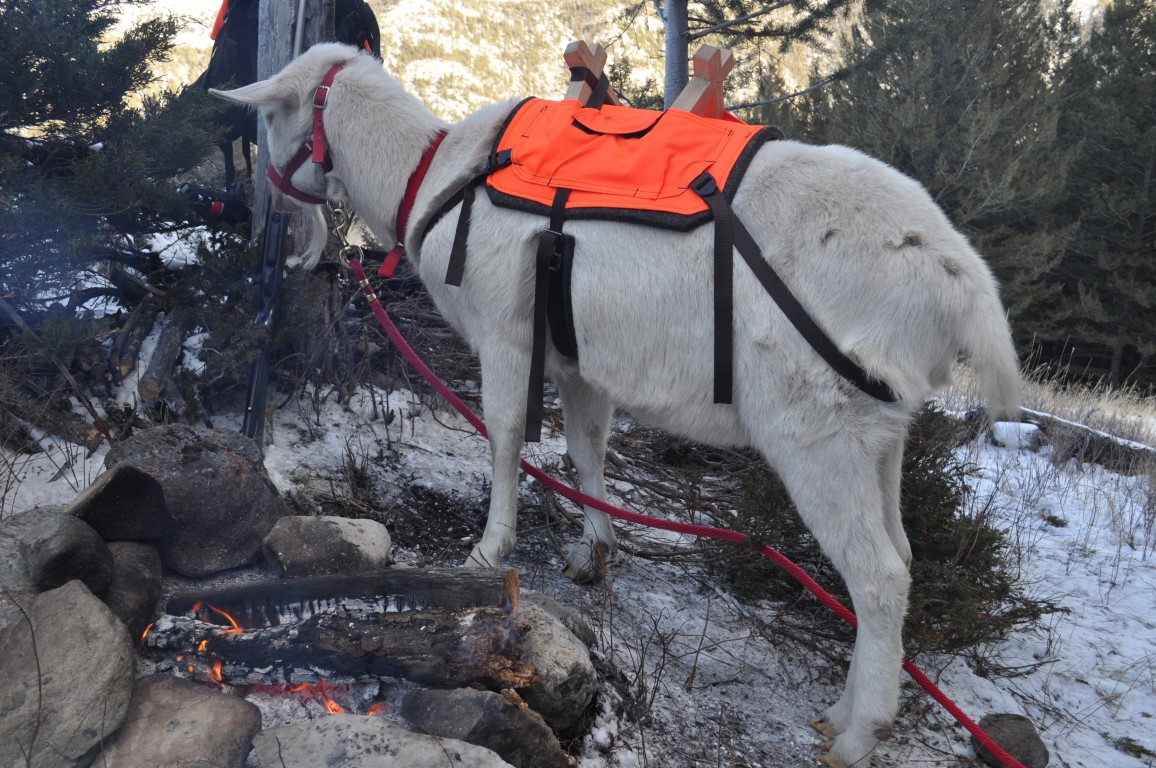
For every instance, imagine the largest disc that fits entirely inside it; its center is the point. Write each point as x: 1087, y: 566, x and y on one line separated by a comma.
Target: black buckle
x: 704, y: 185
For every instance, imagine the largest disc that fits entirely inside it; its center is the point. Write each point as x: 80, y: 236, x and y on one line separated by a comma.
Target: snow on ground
x: 718, y: 686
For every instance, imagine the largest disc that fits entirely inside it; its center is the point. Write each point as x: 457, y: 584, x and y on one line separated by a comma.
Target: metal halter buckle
x: 342, y: 221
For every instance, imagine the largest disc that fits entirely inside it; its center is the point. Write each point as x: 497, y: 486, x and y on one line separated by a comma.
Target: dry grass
x: 1125, y: 413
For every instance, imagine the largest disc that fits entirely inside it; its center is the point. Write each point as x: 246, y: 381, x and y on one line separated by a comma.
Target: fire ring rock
x: 322, y: 546
x: 181, y: 724
x: 353, y: 741
x: 66, y: 677
x: 215, y: 485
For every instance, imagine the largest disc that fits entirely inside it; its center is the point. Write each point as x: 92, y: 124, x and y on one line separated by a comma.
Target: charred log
x: 432, y: 627
x: 434, y: 647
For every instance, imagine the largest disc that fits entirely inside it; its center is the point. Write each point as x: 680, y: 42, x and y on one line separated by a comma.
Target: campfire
x: 345, y: 644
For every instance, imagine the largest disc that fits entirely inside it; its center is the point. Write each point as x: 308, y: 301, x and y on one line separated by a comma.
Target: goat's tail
x: 988, y: 342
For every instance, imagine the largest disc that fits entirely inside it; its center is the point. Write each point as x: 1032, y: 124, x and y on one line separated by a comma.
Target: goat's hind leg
x: 832, y: 722
x: 588, y: 414
x: 836, y: 487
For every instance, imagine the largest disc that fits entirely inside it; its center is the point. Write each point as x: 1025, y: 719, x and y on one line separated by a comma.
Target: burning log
x: 348, y: 629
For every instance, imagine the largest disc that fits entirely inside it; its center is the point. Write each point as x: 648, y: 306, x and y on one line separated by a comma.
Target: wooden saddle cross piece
x: 703, y: 94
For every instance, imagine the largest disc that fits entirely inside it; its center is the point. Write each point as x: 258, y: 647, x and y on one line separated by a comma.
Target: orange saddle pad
x: 617, y: 160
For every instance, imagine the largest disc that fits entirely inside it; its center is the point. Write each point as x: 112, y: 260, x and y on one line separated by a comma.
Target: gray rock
x: 1017, y: 735
x: 516, y: 733
x: 66, y: 677
x: 567, y: 681
x: 135, y: 590
x: 176, y: 723
x: 322, y: 546
x: 352, y: 741
x: 568, y: 616
x: 16, y: 587
x: 59, y: 548
x: 216, y: 487
x: 125, y: 504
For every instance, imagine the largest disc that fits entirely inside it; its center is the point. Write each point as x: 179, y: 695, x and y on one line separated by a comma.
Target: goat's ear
x: 263, y: 93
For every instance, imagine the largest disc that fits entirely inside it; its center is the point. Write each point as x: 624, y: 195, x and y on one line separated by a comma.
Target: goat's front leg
x: 588, y: 414
x: 505, y: 381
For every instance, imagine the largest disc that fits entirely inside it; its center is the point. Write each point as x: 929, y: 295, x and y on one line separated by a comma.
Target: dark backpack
x: 355, y: 24
x: 234, y: 63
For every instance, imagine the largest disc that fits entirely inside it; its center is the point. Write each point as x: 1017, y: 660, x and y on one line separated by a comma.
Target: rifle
x: 272, y: 270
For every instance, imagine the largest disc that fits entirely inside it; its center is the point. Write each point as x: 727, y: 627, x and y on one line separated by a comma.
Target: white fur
x: 862, y: 246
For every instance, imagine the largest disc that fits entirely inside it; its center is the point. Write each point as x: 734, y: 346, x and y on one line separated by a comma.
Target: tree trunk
x: 674, y: 19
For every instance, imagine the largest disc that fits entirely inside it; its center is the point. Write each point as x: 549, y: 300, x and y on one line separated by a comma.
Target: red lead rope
x: 707, y: 531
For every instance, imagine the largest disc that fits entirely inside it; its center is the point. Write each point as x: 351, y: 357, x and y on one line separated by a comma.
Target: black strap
x: 457, y: 266
x: 549, y: 249
x: 734, y: 230
x: 464, y: 195
x: 599, y: 92
x: 706, y: 188
x: 599, y: 86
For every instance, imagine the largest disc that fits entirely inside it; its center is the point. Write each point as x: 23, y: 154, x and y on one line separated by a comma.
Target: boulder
x: 125, y: 503
x: 322, y: 546
x: 59, y: 548
x: 217, y: 489
x: 502, y: 723
x: 135, y: 590
x: 353, y: 741
x: 567, y: 681
x: 66, y: 677
x: 16, y: 587
x: 176, y: 723
x: 1019, y: 738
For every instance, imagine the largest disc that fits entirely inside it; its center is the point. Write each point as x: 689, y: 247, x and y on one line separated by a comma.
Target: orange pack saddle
x: 670, y: 169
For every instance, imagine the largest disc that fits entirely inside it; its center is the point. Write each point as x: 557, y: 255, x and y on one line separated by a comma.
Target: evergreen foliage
x: 964, y: 590
x: 79, y: 169
x: 1109, y: 266
x: 960, y: 96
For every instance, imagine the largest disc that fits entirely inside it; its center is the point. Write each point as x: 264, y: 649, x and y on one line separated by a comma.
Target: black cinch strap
x: 550, y: 246
x: 599, y: 86
x: 729, y: 234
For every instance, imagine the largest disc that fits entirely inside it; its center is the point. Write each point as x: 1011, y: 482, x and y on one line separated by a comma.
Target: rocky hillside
x: 458, y: 55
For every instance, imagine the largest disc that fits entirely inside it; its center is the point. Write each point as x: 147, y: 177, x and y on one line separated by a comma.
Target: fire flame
x: 144, y: 635
x: 236, y: 628
x: 377, y: 708
x: 201, y: 646
x: 215, y: 672
x: 318, y: 692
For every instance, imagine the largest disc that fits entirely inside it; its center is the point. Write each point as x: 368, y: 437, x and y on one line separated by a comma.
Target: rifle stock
x: 272, y: 270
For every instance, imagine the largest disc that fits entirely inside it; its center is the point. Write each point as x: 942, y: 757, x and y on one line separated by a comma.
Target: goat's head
x: 285, y: 104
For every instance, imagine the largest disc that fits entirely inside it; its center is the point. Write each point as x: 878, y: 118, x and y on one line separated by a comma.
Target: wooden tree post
x: 276, y: 37
x: 579, y: 55
x: 703, y: 95
x: 281, y: 35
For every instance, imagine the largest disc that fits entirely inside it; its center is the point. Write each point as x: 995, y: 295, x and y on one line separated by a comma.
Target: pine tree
x: 960, y: 96
x: 745, y: 25
x: 79, y: 168
x: 1110, y: 266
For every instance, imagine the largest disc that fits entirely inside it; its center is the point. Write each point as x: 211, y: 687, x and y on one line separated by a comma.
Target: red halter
x: 315, y: 149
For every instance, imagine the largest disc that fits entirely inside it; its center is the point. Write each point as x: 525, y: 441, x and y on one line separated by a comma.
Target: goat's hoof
x: 825, y: 727
x: 478, y: 559
x: 831, y: 761
x: 587, y: 569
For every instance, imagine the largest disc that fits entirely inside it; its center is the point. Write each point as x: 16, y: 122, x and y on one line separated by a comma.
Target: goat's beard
x: 317, y: 231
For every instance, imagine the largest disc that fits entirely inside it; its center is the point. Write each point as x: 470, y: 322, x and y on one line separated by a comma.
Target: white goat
x: 862, y: 247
